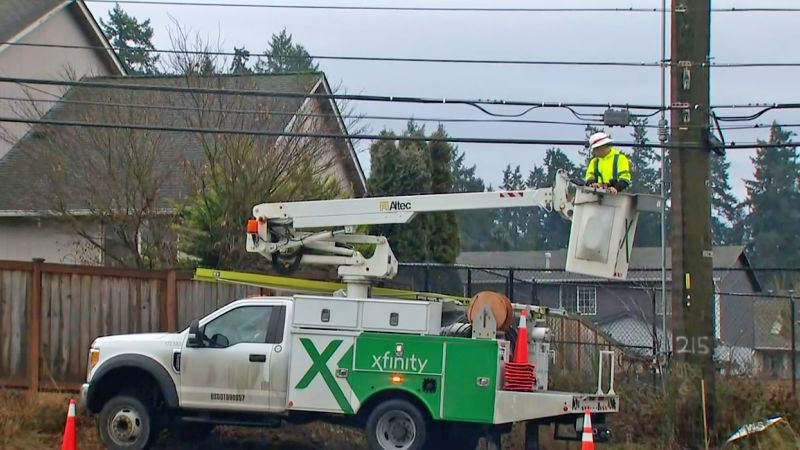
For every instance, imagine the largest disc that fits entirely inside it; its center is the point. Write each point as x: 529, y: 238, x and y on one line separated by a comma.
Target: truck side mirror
x: 195, y: 335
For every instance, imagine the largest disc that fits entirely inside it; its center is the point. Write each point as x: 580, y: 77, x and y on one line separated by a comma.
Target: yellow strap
x: 308, y: 286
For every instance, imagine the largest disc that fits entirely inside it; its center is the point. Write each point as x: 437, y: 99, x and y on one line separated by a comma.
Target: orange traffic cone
x: 519, y: 373
x: 70, y: 441
x: 587, y: 441
x: 521, y: 348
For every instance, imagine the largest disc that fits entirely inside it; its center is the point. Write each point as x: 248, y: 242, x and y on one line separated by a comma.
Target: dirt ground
x: 37, y: 423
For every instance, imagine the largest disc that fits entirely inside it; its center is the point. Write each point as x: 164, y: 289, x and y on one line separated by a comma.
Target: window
x: 248, y: 324
x: 566, y: 298
x: 586, y: 300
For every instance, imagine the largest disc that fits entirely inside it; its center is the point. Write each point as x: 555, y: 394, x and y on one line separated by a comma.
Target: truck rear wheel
x: 125, y: 423
x: 396, y: 425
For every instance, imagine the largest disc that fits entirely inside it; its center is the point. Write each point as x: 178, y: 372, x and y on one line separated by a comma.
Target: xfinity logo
x: 386, y: 363
x: 394, y: 206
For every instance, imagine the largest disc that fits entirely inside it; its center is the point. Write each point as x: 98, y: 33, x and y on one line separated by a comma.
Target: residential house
x: 630, y: 311
x: 61, y: 22
x: 50, y: 166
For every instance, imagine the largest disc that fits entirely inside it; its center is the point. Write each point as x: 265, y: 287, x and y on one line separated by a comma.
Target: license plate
x: 595, y: 403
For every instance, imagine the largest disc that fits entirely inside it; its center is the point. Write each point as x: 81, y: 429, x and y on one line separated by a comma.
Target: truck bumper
x: 521, y: 406
x: 84, y: 395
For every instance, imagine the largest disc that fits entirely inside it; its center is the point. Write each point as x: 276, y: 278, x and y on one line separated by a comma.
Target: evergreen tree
x: 284, y: 56
x: 510, y: 224
x: 645, y: 179
x: 726, y: 216
x: 535, y: 231
x: 475, y: 227
x: 132, y: 41
x: 773, y: 199
x: 403, y: 169
x: 444, y: 240
x: 239, y: 62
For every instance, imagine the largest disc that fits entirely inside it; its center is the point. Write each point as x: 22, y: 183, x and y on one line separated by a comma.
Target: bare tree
x: 233, y: 172
x: 105, y: 183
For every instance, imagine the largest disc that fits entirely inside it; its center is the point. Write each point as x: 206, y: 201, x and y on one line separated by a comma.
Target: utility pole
x: 692, y: 283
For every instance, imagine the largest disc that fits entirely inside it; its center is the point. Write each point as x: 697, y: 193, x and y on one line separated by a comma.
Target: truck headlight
x: 94, y: 358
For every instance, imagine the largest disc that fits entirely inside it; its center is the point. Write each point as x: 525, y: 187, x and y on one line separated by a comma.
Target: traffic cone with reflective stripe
x: 587, y: 441
x: 70, y: 441
x: 519, y: 373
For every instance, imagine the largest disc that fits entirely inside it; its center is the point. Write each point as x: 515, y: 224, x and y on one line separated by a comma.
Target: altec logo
x: 394, y: 206
x: 387, y: 363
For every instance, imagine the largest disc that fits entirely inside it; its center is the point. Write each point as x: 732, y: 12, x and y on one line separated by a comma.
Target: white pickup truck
x: 385, y: 365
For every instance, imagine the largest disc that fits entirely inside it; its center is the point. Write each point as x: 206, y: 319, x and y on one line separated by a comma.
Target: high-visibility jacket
x: 614, y: 169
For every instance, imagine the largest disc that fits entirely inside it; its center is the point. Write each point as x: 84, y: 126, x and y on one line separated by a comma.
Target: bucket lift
x: 326, y: 232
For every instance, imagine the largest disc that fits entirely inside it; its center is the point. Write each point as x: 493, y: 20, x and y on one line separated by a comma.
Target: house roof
x: 22, y: 194
x: 533, y: 265
x: 17, y: 15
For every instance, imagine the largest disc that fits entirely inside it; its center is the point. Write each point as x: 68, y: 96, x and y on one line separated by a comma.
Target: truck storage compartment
x: 383, y: 315
x: 325, y: 312
x: 402, y: 316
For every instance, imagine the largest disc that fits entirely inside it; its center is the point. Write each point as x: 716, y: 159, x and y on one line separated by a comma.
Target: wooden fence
x: 50, y: 314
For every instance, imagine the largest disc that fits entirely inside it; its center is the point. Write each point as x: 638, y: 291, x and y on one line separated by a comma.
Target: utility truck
x: 401, y: 369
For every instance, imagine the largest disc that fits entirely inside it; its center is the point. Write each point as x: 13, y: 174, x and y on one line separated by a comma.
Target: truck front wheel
x: 125, y: 423
x: 396, y: 425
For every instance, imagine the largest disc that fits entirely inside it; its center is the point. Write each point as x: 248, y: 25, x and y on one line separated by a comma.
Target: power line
x: 377, y: 8
x: 644, y: 64
x: 357, y: 58
x: 434, y: 9
x: 376, y: 137
x: 354, y: 97
x: 376, y: 98
x: 290, y: 113
x: 59, y: 100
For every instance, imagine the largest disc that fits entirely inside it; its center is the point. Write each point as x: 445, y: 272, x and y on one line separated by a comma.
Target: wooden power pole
x: 692, y: 364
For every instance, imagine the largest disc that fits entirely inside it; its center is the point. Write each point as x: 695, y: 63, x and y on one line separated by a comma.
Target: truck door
x: 231, y: 370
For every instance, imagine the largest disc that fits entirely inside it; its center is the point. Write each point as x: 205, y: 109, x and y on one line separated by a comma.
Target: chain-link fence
x: 754, y: 328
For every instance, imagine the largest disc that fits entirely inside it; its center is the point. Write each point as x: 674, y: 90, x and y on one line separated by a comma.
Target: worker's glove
x: 612, y: 189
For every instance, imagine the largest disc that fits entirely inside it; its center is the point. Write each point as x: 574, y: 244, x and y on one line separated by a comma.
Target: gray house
x: 86, y: 174
x: 49, y: 173
x: 630, y: 311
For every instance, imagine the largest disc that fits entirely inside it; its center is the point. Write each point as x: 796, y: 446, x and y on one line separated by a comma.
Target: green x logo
x: 319, y: 365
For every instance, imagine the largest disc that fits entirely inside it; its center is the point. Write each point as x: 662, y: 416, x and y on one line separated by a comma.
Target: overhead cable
x: 646, y: 64
x: 354, y: 97
x: 376, y: 137
x: 431, y: 8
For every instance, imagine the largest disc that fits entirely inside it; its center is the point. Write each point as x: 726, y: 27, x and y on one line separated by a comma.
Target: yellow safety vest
x: 610, y: 168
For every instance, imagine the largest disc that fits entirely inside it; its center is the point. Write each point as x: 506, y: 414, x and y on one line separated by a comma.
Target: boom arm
x: 401, y: 209
x: 276, y: 231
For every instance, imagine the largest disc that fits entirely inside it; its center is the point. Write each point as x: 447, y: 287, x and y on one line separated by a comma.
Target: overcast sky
x: 613, y: 36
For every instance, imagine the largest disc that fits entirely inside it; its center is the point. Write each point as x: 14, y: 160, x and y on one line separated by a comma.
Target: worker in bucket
x: 608, y: 168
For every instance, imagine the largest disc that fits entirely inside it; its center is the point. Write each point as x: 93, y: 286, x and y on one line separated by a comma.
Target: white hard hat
x: 599, y: 140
